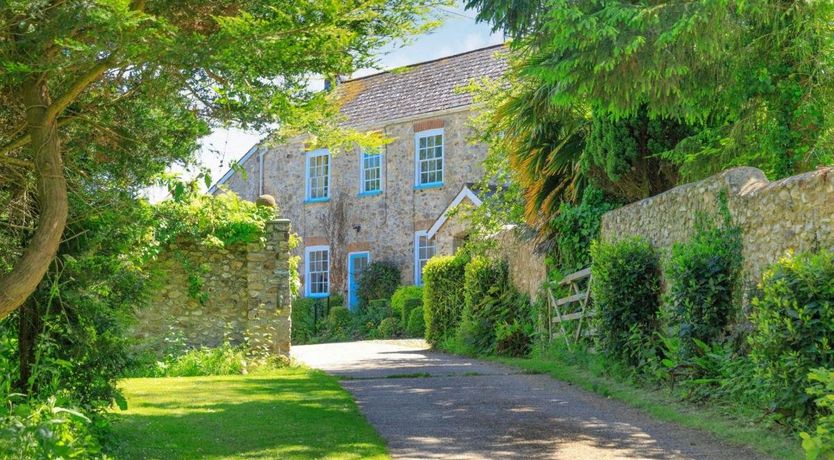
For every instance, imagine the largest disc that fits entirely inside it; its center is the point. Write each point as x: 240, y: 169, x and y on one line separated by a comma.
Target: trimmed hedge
x: 416, y: 325
x: 793, y: 321
x: 389, y: 328
x: 406, y: 295
x: 626, y: 291
x: 702, y: 275
x: 443, y: 296
x: 487, y: 295
x: 378, y: 281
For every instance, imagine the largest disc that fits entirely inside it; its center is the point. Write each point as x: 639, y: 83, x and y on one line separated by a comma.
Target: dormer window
x: 318, y: 175
x: 428, y: 158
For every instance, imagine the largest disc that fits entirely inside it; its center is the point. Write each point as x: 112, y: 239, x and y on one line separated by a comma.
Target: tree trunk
x: 27, y: 338
x: 17, y: 285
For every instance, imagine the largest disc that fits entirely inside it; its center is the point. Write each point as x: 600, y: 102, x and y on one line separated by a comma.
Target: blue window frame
x: 318, y: 175
x: 317, y: 271
x: 370, y: 173
x: 424, y: 250
x: 428, y: 158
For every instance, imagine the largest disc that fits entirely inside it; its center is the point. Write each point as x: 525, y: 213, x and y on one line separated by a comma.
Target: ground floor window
x: 317, y: 271
x: 423, y: 251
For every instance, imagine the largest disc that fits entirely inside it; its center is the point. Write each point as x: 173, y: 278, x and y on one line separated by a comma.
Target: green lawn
x: 293, y: 413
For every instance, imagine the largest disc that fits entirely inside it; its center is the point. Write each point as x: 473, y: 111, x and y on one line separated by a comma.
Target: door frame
x: 351, y: 257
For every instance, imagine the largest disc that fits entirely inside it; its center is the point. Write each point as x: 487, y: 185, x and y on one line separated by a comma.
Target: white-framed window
x: 317, y: 271
x: 428, y: 157
x: 370, y: 173
x: 318, y: 175
x: 423, y: 251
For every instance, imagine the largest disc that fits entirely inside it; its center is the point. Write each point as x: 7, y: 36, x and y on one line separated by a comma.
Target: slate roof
x: 417, y: 89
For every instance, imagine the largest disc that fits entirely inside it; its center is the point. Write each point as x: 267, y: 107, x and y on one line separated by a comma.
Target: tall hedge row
x: 443, y: 296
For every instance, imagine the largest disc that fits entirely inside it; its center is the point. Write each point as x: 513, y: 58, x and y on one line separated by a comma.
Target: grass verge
x: 292, y: 413
x: 729, y: 422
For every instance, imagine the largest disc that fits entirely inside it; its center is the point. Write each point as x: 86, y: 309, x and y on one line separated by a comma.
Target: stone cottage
x: 357, y: 206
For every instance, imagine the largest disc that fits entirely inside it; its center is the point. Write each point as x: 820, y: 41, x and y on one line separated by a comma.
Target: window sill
x: 373, y: 193
x: 317, y: 200
x: 427, y: 186
x: 317, y: 296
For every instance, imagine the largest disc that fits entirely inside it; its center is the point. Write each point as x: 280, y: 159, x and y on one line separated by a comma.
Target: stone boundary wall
x: 796, y: 213
x: 245, y: 291
x: 527, y: 267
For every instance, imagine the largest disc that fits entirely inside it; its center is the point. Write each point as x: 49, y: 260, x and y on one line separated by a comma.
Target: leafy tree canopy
x: 107, y: 93
x: 631, y: 95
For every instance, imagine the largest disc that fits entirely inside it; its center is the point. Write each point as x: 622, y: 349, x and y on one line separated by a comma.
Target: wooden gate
x: 571, y: 308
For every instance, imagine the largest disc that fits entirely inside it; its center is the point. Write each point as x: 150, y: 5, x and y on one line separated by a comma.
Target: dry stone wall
x: 240, y: 293
x: 792, y: 214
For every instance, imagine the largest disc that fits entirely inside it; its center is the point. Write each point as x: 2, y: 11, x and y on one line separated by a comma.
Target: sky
x: 458, y: 33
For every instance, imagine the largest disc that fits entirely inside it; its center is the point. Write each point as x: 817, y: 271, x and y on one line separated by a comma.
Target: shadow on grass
x: 300, y: 414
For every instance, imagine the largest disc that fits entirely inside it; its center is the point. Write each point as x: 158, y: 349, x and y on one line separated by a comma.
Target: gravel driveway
x: 433, y: 405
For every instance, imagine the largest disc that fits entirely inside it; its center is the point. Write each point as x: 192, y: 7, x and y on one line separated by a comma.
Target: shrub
x: 575, y: 227
x: 303, y: 320
x: 44, y: 429
x: 702, y: 276
x: 820, y: 443
x: 443, y: 296
x: 410, y: 305
x: 416, y: 325
x: 403, y: 295
x: 339, y: 319
x: 625, y: 288
x: 375, y: 311
x: 486, y: 297
x: 389, y: 328
x: 793, y: 320
x: 378, y: 281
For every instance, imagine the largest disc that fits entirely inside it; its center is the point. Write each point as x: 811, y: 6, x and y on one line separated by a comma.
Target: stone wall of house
x: 796, y: 213
x: 383, y: 224
x: 527, y: 266
x: 207, y: 295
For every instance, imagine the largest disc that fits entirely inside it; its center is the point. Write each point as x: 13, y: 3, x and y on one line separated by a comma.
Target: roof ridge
x: 416, y: 64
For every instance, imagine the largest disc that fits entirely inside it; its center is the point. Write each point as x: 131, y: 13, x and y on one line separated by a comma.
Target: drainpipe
x: 260, y: 172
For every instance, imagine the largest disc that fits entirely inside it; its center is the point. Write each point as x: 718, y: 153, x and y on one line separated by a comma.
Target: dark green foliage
x: 702, y: 275
x: 575, y: 227
x: 389, y: 328
x: 375, y: 311
x: 416, y: 325
x: 625, y: 289
x: 379, y: 281
x: 626, y: 153
x: 496, y: 318
x: 443, y: 297
x: 793, y: 320
x: 404, y: 299
x: 410, y: 305
x: 304, y: 320
x: 338, y: 319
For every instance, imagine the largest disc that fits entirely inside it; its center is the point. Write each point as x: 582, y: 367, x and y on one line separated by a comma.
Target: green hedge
x: 416, y: 325
x: 378, y: 281
x: 625, y: 288
x: 702, y: 275
x: 406, y: 295
x: 443, y: 298
x: 486, y: 289
x: 793, y: 332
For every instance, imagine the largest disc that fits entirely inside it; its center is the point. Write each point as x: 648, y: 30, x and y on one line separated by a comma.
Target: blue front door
x: 357, y: 263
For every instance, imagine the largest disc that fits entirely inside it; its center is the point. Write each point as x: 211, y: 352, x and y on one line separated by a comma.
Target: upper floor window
x: 318, y: 175
x: 429, y: 158
x: 424, y: 250
x: 370, y: 175
x: 317, y: 271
